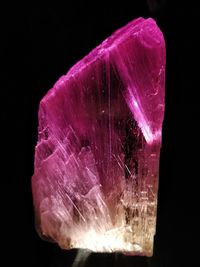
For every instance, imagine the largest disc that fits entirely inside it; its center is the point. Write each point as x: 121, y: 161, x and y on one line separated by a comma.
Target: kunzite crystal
x: 97, y: 157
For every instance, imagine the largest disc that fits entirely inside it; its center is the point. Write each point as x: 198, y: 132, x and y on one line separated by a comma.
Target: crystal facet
x: 99, y: 137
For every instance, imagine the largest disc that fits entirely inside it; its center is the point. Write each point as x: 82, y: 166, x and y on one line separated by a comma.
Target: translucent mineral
x: 96, y: 170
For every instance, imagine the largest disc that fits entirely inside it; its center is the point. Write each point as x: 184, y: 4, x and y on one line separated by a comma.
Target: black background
x: 39, y: 44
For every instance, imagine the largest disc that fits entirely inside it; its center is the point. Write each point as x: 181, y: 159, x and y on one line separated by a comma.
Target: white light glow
x: 142, y: 121
x: 110, y: 241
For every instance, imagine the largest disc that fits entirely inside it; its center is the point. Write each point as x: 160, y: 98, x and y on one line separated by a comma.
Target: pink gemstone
x: 97, y: 157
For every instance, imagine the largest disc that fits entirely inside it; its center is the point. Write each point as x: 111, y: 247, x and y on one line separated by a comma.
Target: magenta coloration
x: 97, y: 157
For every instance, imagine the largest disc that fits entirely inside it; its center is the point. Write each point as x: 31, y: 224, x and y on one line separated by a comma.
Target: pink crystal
x: 97, y: 157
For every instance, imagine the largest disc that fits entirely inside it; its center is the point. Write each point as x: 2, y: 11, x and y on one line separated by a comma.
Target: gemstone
x: 96, y: 168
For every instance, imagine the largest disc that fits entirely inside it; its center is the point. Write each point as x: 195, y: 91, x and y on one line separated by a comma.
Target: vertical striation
x: 97, y: 158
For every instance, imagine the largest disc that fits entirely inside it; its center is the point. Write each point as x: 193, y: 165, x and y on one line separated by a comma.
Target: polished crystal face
x: 99, y: 137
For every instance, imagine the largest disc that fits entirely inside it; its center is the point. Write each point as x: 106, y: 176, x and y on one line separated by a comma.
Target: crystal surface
x: 99, y: 137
